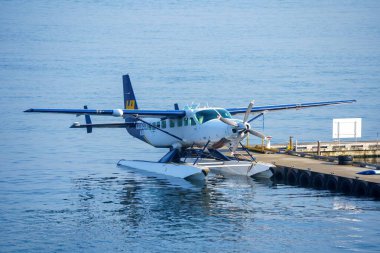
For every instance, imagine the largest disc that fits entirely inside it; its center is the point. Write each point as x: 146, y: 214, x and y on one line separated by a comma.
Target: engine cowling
x: 117, y: 113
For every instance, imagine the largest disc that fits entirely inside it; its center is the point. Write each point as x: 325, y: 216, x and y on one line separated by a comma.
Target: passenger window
x: 158, y: 124
x: 179, y: 122
x: 171, y: 122
x: 163, y: 123
x: 186, y: 121
x: 192, y: 121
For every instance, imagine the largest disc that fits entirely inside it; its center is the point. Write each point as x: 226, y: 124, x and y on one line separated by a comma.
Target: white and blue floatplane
x: 194, y: 134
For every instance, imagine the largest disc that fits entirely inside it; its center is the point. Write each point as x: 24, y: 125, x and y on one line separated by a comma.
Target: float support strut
x: 203, y: 150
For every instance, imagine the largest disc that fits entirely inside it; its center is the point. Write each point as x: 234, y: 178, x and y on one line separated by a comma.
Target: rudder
x: 130, y: 102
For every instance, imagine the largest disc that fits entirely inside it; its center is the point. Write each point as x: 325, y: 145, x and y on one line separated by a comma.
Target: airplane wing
x: 103, y: 125
x: 259, y: 109
x: 116, y: 112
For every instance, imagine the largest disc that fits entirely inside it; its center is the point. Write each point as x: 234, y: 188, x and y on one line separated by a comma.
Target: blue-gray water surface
x: 60, y: 188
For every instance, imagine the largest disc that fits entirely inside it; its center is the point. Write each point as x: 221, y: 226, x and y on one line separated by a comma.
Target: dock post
x: 290, y: 146
x: 268, y: 142
x: 318, y: 148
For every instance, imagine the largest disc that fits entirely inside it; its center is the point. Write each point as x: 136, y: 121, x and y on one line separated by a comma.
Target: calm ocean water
x: 60, y: 189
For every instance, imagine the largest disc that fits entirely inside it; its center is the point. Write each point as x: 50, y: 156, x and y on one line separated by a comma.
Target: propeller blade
x: 248, y: 110
x: 256, y: 133
x: 237, y: 142
x: 228, y: 121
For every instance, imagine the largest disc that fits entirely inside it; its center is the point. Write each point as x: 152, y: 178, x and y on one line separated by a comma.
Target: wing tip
x: 29, y: 110
x: 350, y: 101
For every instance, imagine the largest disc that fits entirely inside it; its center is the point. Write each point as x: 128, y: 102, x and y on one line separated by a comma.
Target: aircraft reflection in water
x: 137, y: 198
x: 192, y: 134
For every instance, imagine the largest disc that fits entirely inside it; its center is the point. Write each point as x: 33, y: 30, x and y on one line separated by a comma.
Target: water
x: 60, y: 189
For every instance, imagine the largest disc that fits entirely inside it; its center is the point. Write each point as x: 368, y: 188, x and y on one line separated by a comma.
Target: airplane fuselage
x: 199, y: 126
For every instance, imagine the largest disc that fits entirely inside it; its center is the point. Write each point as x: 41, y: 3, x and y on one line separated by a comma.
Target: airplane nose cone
x: 242, y: 126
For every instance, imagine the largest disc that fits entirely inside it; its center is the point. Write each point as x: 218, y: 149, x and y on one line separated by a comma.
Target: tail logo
x: 130, y: 104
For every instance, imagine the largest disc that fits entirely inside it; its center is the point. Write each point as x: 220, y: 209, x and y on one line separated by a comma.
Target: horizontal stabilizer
x: 103, y: 125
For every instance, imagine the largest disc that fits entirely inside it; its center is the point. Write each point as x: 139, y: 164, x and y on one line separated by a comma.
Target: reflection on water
x: 125, y: 208
x: 241, y: 211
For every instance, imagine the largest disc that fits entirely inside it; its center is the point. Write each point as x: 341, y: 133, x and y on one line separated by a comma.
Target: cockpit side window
x: 192, y: 121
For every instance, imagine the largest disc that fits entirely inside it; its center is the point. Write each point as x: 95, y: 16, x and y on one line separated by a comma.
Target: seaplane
x: 194, y: 135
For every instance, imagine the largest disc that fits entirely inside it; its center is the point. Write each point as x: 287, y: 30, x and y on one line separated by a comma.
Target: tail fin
x: 129, y: 96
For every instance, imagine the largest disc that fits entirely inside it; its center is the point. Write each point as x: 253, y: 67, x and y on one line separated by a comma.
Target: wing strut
x: 261, y: 114
x: 172, y: 135
x: 203, y: 150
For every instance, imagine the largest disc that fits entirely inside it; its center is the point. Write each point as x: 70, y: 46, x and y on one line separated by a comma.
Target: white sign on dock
x: 347, y: 128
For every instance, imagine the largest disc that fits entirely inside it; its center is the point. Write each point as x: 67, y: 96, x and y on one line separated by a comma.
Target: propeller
x: 242, y: 128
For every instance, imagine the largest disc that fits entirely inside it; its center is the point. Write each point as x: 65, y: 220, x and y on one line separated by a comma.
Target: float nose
x: 205, y: 171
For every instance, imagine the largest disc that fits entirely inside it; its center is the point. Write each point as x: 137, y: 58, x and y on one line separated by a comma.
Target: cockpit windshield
x: 206, y: 115
x: 224, y: 113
